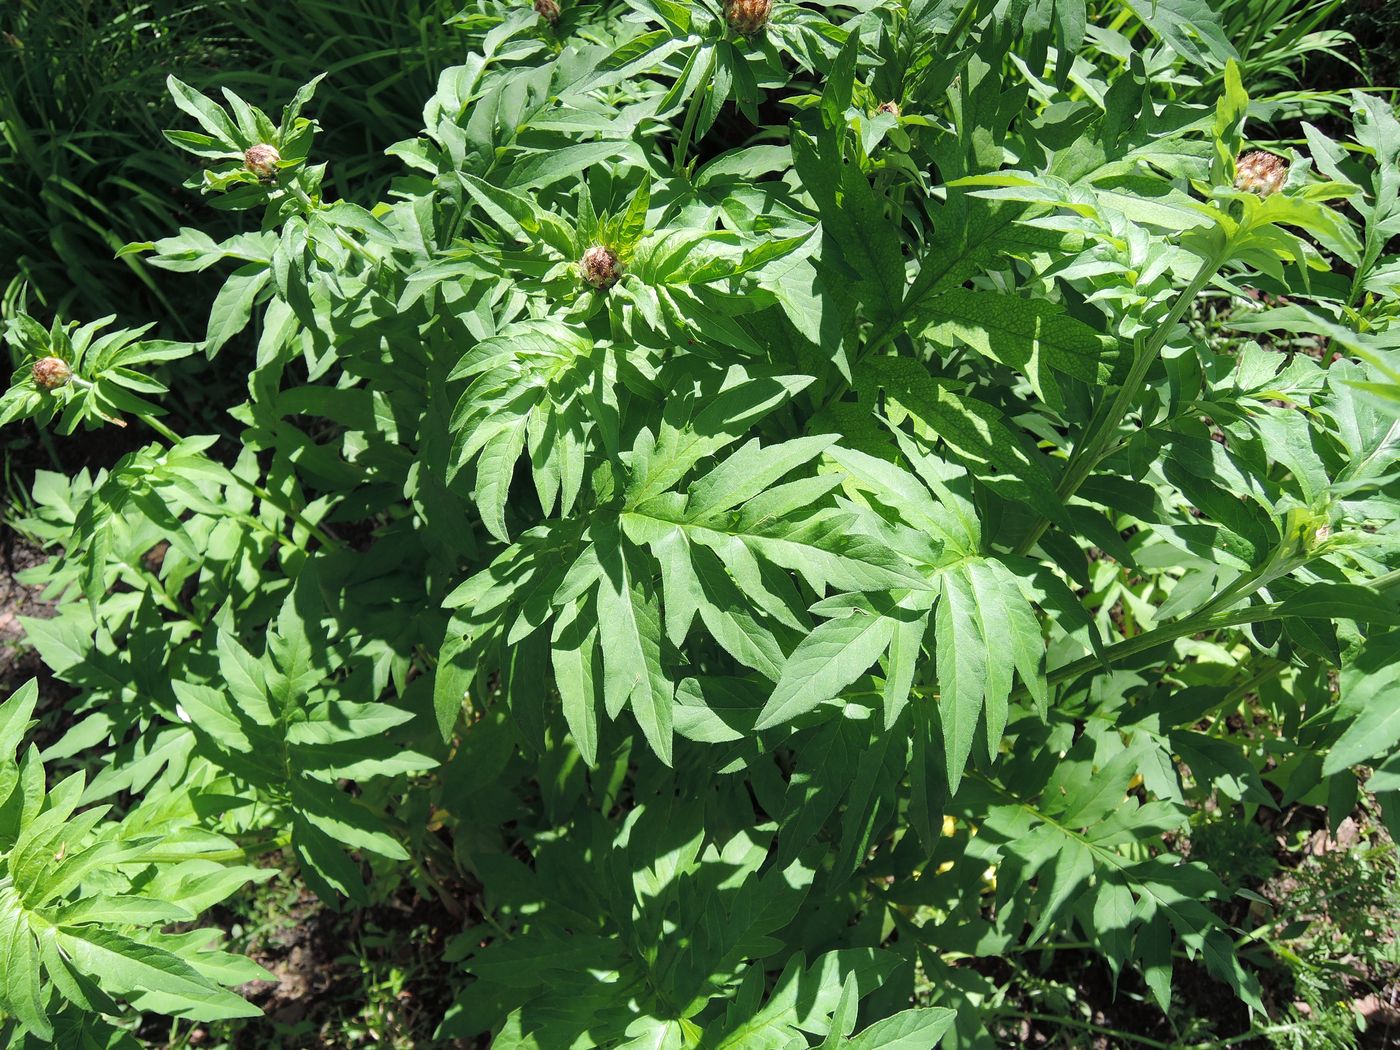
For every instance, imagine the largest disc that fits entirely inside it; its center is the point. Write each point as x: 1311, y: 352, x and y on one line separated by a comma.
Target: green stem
x: 1245, y: 583
x: 1194, y: 624
x: 692, y: 114
x: 357, y: 248
x: 874, y: 346
x: 1085, y: 1026
x: 226, y: 856
x: 1092, y: 447
x: 320, y: 535
x: 1387, y: 580
x: 965, y: 17
x: 1116, y: 26
x: 1160, y: 635
x: 156, y: 588
x: 1272, y: 668
x: 1253, y: 1033
x: 1142, y: 1040
x: 163, y: 430
x: 288, y: 183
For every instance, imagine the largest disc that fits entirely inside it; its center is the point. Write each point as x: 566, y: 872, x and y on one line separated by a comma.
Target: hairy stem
x: 1091, y: 448
x: 248, y: 851
x: 319, y: 534
x: 1192, y: 624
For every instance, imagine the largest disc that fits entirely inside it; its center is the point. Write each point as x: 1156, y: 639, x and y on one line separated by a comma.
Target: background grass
x: 84, y: 167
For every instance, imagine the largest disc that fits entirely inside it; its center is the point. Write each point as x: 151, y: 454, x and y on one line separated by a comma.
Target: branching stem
x: 1092, y: 447
x: 320, y: 535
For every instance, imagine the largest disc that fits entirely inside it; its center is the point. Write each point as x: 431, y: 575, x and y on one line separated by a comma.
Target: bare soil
x: 18, y: 661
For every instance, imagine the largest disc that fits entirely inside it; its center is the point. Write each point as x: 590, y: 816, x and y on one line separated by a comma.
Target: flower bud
x: 747, y: 17
x: 600, y: 267
x: 262, y: 160
x: 52, y: 372
x: 1260, y: 173
x: 548, y: 10
x: 892, y: 108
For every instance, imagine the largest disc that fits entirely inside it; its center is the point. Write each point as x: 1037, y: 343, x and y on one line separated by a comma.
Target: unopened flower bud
x: 548, y: 10
x: 1260, y: 172
x: 892, y: 108
x: 52, y: 372
x: 747, y: 17
x: 600, y: 267
x: 262, y: 160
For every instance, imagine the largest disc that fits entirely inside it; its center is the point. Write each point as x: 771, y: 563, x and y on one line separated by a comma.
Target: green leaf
x: 15, y: 719
x: 1369, y: 688
x: 1191, y: 28
x: 699, y: 426
x: 629, y: 630
x: 824, y: 663
x: 805, y: 997
x: 915, y: 1029
x: 21, y: 989
x: 1330, y: 601
x: 971, y: 427
x: 574, y: 654
x: 961, y: 661
x: 233, y: 306
x: 124, y: 966
x: 494, y: 470
x: 836, y: 93
x: 551, y: 166
x: 749, y: 471
x: 210, y: 116
x: 843, y: 1018
x: 1019, y: 332
x: 906, y: 648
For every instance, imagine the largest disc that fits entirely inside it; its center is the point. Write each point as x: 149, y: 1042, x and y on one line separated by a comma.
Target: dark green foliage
x: 762, y: 514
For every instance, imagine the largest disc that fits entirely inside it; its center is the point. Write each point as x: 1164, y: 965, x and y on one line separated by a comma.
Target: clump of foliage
x: 754, y: 517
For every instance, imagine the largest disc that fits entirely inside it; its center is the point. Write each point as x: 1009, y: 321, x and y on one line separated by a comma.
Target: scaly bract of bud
x: 261, y: 160
x: 600, y: 266
x: 548, y: 10
x: 52, y: 372
x: 747, y: 17
x: 1260, y: 172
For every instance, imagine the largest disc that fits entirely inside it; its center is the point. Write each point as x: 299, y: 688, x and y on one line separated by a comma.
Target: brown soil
x: 323, y: 961
x: 18, y: 661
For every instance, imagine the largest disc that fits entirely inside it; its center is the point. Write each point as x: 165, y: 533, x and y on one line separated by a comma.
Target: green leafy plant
x: 761, y: 517
x: 83, y: 900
